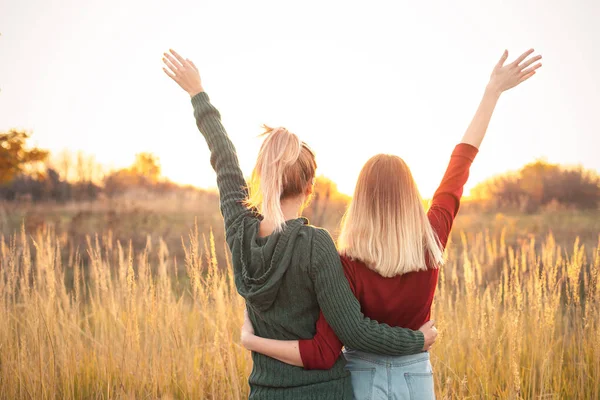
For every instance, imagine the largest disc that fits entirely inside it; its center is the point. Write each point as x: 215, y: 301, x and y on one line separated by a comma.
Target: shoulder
x: 323, y: 249
x: 322, y: 240
x: 246, y: 221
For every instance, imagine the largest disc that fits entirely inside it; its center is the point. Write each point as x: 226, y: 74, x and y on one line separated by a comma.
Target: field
x: 88, y: 313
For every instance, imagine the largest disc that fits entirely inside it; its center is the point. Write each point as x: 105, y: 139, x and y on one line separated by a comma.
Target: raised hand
x: 507, y: 76
x: 184, y: 72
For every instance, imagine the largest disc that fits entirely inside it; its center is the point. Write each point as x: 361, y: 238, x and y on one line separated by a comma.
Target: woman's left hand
x: 184, y: 72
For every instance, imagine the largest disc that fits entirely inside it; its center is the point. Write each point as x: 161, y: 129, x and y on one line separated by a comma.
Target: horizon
x: 353, y: 85
x: 213, y: 188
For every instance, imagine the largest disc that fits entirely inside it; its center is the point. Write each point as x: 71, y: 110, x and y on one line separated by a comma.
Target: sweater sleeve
x: 446, y: 200
x: 342, y: 310
x: 323, y: 350
x: 232, y: 186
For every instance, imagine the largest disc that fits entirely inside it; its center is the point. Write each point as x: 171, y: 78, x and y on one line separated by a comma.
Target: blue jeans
x: 377, y: 377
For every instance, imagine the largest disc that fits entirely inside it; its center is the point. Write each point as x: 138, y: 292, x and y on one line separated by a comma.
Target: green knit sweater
x: 286, y: 278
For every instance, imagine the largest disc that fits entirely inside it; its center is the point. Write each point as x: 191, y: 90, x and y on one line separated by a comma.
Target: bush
x: 540, y: 186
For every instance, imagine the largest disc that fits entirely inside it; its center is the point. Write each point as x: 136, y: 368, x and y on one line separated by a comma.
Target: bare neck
x: 291, y: 209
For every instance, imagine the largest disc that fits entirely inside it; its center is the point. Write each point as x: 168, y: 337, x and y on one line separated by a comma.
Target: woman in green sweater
x: 285, y: 269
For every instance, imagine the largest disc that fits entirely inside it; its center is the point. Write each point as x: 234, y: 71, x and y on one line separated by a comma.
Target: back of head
x: 284, y: 169
x: 386, y: 226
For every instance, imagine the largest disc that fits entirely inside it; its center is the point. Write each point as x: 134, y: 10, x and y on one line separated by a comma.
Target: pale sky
x: 350, y: 78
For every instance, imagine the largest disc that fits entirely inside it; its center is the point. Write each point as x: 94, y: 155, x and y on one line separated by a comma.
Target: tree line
x: 28, y: 173
x: 539, y: 186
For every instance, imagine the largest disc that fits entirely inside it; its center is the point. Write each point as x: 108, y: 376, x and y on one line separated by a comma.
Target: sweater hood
x: 264, y: 260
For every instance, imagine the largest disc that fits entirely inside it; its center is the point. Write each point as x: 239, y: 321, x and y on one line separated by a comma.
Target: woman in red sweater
x: 391, y: 250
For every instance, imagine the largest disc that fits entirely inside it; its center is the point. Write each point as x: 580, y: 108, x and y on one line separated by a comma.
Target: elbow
x: 328, y: 364
x: 324, y: 363
x: 354, y: 342
x: 327, y: 358
x: 316, y: 356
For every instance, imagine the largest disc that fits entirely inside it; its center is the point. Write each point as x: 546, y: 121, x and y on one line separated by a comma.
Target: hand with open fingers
x: 183, y: 71
x: 430, y: 333
x: 508, y: 76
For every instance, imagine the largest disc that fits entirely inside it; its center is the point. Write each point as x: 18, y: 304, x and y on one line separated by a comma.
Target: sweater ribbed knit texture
x: 286, y: 278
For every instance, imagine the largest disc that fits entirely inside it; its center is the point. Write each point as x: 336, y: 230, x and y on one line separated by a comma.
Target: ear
x: 310, y: 188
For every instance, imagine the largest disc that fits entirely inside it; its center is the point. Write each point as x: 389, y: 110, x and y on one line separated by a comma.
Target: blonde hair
x: 284, y: 168
x: 386, y: 226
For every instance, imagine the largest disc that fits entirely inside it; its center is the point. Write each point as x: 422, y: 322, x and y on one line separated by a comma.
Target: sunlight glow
x: 350, y: 80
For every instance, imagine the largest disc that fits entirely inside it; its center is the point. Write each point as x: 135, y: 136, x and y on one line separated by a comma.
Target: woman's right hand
x: 505, y: 77
x: 247, y: 331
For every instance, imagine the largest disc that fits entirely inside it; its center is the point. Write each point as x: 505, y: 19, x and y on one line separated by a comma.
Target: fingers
x: 177, y: 62
x: 522, y: 57
x: 170, y: 74
x: 170, y: 65
x: 178, y: 57
x: 529, y: 62
x: 530, y: 69
x: 174, y: 62
x: 435, y: 332
x: 502, y: 59
x: 430, y: 332
x: 527, y: 76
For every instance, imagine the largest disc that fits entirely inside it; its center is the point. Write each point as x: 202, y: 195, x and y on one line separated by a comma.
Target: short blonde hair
x: 386, y: 226
x: 285, y: 167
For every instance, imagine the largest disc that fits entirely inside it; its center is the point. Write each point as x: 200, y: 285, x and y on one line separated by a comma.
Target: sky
x: 350, y: 78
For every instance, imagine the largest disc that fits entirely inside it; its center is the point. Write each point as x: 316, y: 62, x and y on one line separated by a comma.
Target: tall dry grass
x: 516, y: 322
x: 532, y: 332
x: 125, y: 329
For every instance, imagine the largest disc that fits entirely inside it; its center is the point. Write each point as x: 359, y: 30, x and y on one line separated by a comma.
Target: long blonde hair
x: 386, y: 226
x: 285, y: 167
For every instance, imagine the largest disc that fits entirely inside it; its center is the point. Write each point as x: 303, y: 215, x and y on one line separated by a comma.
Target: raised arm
x: 230, y: 179
x: 446, y: 199
x: 503, y: 77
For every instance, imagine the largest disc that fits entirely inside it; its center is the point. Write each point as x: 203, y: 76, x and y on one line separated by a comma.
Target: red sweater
x: 403, y: 300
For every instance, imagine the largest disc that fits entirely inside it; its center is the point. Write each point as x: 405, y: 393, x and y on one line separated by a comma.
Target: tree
x: 64, y: 164
x: 15, y: 157
x: 328, y: 204
x: 144, y: 173
x: 147, y: 165
x: 539, y: 185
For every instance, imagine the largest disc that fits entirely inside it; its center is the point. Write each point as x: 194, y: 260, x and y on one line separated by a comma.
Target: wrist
x: 195, y: 91
x: 247, y: 339
x: 421, y: 339
x: 493, y: 90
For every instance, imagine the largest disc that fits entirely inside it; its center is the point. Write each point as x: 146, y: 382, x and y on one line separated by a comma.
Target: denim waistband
x: 394, y: 361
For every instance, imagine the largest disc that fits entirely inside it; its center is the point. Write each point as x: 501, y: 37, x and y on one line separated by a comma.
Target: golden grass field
x: 516, y: 320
